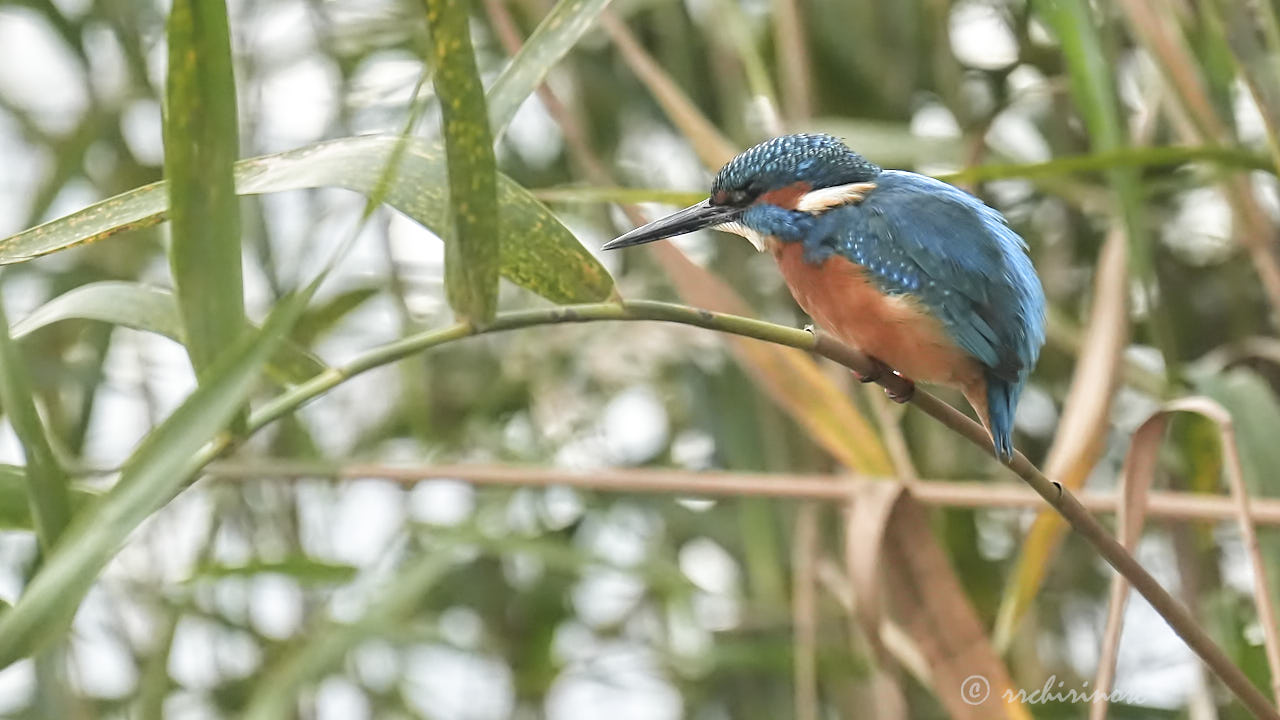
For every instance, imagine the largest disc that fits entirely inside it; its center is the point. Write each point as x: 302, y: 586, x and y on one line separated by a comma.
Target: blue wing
x: 922, y: 237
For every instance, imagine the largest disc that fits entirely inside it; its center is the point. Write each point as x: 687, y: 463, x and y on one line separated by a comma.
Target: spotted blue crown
x: 819, y: 160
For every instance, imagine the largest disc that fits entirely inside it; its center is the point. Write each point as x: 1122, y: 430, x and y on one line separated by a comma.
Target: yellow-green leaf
x: 471, y: 259
x: 555, y: 35
x: 538, y: 252
x: 150, y: 309
x: 15, y: 511
x: 201, y: 143
x: 46, y: 480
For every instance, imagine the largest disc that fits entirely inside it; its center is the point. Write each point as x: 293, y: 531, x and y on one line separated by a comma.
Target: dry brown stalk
x: 1166, y: 505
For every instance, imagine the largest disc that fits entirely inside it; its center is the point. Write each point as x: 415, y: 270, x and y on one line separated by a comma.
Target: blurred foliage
x: 270, y: 589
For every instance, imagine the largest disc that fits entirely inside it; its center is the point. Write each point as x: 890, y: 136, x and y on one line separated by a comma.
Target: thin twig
x: 804, y: 610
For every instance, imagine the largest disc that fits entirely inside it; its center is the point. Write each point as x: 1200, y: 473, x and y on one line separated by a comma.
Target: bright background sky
x: 295, y: 102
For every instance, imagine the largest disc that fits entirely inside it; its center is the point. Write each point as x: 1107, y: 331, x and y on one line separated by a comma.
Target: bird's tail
x: 1002, y: 398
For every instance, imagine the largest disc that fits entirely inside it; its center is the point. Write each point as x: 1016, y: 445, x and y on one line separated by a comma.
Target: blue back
x: 922, y: 237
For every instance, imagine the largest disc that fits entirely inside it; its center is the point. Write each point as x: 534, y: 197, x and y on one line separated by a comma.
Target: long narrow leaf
x: 555, y: 35
x: 131, y: 305
x: 471, y: 261
x: 538, y: 252
x: 46, y: 481
x: 153, y: 474
x: 201, y: 143
x: 150, y: 309
x: 15, y: 511
x: 1131, y: 514
x: 1094, y: 89
x: 1255, y: 411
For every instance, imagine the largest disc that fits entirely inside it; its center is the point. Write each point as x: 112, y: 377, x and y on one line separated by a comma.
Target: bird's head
x: 795, y: 173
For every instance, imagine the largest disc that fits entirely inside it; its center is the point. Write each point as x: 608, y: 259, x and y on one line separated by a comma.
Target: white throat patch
x: 824, y: 199
x: 737, y: 228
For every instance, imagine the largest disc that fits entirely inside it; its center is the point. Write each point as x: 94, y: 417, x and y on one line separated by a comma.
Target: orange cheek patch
x: 786, y: 197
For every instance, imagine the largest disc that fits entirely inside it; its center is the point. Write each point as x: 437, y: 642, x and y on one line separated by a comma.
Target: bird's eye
x: 732, y: 198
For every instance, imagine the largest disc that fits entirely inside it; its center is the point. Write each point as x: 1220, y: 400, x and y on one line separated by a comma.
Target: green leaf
x: 150, y: 309
x: 1095, y: 94
x: 1124, y: 157
x: 1256, y: 55
x: 15, y: 512
x: 160, y: 467
x: 321, y: 318
x: 538, y: 252
x: 46, y: 480
x: 299, y: 567
x: 132, y: 305
x: 201, y: 144
x: 471, y: 260
x: 1255, y: 412
x: 558, y: 32
x: 547, y: 253
x: 1093, y: 85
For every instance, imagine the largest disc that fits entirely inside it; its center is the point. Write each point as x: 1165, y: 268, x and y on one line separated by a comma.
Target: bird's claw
x: 878, y: 371
x: 894, y: 393
x: 907, y: 393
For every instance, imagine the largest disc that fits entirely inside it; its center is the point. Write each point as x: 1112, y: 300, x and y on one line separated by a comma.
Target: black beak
x: 694, y: 217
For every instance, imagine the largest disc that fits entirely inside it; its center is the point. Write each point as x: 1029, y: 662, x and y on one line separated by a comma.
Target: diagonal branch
x: 1060, y: 499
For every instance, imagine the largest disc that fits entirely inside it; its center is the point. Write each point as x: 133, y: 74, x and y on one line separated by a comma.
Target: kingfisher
x: 921, y: 276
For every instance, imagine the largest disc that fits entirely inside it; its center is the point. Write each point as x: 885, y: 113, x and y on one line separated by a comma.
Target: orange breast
x: 893, y: 329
